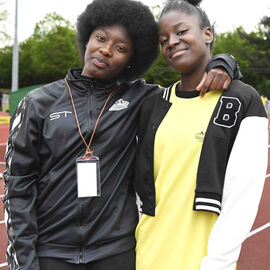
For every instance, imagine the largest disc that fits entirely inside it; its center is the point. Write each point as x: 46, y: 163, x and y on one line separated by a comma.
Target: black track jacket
x: 44, y: 216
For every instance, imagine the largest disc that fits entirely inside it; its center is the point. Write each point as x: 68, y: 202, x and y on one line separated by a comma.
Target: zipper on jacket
x: 90, y: 112
x: 80, y: 255
x: 81, y: 244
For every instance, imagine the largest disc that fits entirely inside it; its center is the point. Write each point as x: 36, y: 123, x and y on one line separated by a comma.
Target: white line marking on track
x: 267, y: 176
x: 3, y: 264
x: 1, y: 144
x: 2, y: 222
x: 2, y: 196
x: 265, y: 226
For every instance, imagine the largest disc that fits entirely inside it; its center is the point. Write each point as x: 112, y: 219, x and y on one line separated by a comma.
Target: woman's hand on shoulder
x: 215, y: 79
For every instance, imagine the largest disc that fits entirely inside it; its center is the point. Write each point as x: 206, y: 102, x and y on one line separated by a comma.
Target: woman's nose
x: 173, y: 40
x: 106, y: 50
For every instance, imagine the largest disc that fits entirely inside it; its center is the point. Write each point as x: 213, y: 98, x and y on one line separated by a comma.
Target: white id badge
x: 88, y: 177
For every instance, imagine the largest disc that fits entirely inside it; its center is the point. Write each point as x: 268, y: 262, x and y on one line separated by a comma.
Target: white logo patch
x: 57, y: 115
x: 228, y: 112
x: 119, y: 105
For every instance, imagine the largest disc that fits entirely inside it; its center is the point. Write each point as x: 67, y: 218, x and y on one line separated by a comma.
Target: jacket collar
x: 85, y: 84
x: 167, y: 93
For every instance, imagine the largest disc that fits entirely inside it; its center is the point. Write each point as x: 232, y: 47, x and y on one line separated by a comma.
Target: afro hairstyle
x: 139, y: 23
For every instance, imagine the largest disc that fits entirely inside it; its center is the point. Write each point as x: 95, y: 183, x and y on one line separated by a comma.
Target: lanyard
x: 88, y: 151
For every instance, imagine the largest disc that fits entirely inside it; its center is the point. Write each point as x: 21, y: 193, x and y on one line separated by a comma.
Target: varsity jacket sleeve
x: 20, y: 176
x: 244, y: 181
x: 227, y: 62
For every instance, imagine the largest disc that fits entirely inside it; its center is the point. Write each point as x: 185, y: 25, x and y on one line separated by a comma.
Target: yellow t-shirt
x: 176, y: 237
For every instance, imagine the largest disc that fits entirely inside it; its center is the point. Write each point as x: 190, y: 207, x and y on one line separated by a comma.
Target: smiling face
x: 108, y: 53
x: 184, y: 45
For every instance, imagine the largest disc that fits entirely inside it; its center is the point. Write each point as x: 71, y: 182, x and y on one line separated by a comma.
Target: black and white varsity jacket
x: 231, y: 170
x: 238, y: 108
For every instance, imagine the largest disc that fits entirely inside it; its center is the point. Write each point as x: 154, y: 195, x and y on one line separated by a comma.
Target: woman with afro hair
x: 69, y: 199
x: 200, y: 162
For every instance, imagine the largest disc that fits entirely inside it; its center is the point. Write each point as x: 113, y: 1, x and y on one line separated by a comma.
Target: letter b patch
x: 227, y: 112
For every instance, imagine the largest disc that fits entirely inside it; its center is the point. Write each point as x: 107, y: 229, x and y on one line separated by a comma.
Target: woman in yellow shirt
x: 201, y: 162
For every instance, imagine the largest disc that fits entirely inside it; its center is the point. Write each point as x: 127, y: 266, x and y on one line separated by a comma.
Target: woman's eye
x: 163, y: 42
x: 182, y: 32
x: 120, y: 48
x: 100, y: 37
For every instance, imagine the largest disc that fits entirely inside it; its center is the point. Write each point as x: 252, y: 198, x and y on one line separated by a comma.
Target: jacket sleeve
x: 20, y: 176
x: 227, y: 62
x: 243, y: 186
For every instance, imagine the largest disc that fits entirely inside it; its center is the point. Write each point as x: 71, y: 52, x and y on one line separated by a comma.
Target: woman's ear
x: 208, y: 35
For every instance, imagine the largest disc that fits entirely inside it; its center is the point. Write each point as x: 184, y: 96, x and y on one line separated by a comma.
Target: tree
x: 5, y: 67
x: 50, y: 22
x: 233, y: 43
x: 259, y: 70
x: 4, y: 37
x: 50, y: 52
x: 45, y: 56
x: 252, y: 50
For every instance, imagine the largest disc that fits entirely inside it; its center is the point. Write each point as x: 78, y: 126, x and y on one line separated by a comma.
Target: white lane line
x: 265, y: 226
x: 2, y: 222
x: 267, y: 176
x: 1, y: 196
x: 3, y: 264
x: 1, y: 144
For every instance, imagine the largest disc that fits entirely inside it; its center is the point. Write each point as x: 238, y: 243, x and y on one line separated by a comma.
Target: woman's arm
x: 20, y: 176
x: 243, y: 186
x: 220, y: 71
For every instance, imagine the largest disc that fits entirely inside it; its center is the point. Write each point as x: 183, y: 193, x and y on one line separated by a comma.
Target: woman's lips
x: 178, y: 53
x: 100, y: 63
